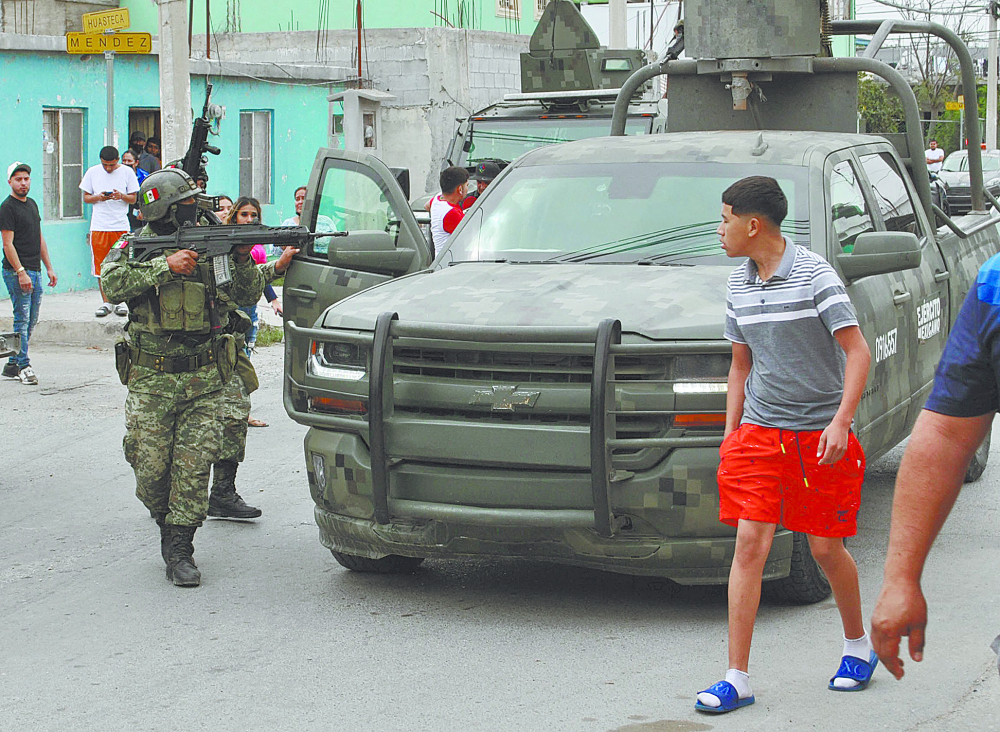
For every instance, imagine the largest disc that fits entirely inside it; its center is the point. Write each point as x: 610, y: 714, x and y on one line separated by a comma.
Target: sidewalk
x: 68, y: 319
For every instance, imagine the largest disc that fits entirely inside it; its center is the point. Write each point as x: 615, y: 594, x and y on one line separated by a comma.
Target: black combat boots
x: 181, y: 569
x: 161, y: 521
x: 224, y: 500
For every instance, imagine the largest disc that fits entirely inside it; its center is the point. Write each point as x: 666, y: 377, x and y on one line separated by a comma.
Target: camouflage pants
x: 171, y: 442
x: 235, y: 411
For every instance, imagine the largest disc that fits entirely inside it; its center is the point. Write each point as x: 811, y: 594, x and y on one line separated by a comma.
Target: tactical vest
x: 180, y: 307
x: 176, y: 307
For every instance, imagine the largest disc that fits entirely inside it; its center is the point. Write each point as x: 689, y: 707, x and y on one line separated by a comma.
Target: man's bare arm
x: 833, y: 442
x: 736, y: 386
x: 929, y: 480
x: 8, y: 249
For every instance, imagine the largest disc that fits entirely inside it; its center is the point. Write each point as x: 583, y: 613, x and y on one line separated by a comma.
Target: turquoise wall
x: 33, y: 82
x: 298, y: 129
x: 264, y: 16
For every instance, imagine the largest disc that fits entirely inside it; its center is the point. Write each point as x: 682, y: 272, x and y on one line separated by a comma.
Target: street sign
x: 117, y: 42
x: 106, y: 20
x: 954, y: 106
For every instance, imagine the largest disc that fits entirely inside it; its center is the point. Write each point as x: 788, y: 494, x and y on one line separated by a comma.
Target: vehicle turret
x: 564, y: 55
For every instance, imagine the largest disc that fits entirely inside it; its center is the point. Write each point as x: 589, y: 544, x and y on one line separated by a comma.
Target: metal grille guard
x: 606, y: 342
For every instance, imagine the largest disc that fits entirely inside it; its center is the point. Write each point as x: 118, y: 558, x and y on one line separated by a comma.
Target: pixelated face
x: 247, y: 214
x: 20, y: 183
x: 933, y: 144
x: 224, y: 207
x: 481, y: 185
x: 152, y: 148
x: 110, y: 165
x: 736, y: 232
x: 300, y: 200
x: 128, y: 158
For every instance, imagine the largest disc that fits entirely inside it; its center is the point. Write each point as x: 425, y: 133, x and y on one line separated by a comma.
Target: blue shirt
x: 966, y: 380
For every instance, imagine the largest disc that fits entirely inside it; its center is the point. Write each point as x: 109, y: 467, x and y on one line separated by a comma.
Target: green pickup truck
x: 553, y: 384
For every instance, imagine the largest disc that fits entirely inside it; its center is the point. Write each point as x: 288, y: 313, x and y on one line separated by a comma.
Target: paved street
x: 280, y: 637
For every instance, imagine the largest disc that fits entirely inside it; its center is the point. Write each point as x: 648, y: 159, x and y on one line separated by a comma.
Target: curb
x: 71, y: 333
x: 67, y: 319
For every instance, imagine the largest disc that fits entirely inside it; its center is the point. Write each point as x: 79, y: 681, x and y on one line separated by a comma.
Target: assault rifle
x: 217, y: 243
x: 194, y: 160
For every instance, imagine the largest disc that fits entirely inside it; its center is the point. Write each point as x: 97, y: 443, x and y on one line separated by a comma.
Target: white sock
x: 740, y: 681
x: 859, y: 648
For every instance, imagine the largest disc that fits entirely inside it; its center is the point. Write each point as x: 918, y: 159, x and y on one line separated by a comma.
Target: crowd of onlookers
x: 112, y: 188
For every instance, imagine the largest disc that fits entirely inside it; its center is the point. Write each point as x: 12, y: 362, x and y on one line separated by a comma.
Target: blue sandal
x: 727, y: 695
x: 852, y: 667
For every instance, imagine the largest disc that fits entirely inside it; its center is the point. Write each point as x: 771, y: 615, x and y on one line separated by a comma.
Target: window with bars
x: 62, y: 163
x: 255, y: 155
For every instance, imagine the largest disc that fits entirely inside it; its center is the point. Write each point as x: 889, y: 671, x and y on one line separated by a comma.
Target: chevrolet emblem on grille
x: 505, y: 398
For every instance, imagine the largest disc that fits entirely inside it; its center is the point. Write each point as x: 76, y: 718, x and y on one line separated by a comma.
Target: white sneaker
x: 27, y: 376
x: 105, y: 309
x: 121, y: 309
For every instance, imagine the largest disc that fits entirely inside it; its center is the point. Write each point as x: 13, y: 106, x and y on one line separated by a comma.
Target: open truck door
x: 357, y: 195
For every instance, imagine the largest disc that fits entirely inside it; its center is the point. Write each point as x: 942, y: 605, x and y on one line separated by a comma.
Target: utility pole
x: 175, y: 79
x: 991, y: 81
x: 617, y: 23
x: 360, y: 76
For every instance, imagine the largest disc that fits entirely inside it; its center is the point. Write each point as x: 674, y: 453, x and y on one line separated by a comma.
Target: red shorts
x: 773, y: 475
x: 101, y: 243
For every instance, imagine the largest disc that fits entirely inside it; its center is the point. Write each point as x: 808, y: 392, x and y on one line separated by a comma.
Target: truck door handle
x: 941, y: 275
x: 301, y: 293
x: 899, y: 298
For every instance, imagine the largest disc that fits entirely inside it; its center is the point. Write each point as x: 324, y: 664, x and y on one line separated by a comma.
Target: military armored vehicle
x: 569, y: 83
x: 553, y: 384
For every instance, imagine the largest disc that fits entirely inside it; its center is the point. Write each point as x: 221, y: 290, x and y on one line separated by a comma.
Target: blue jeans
x: 25, y: 306
x: 251, y: 335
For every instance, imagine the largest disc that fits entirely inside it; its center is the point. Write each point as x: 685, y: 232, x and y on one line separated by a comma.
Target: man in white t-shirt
x: 935, y: 157
x: 110, y: 187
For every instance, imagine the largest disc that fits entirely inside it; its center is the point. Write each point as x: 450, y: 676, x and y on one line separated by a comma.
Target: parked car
x: 954, y: 174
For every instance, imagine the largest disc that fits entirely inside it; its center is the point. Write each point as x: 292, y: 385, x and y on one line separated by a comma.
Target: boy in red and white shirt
x: 446, y: 212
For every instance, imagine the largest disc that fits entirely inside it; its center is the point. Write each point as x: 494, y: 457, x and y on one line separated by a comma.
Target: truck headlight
x: 341, y: 361
x: 700, y: 387
x: 701, y: 374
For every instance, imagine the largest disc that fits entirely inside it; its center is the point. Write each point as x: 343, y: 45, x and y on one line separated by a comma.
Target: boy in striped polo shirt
x: 788, y: 456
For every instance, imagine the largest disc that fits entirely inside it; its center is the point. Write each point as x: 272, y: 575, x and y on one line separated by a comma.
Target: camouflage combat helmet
x: 161, y: 190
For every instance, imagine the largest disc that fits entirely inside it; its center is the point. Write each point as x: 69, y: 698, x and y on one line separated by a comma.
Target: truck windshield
x: 661, y: 213
x: 508, y: 139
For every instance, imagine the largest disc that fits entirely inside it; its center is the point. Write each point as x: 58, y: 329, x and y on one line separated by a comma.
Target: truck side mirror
x: 402, y: 176
x: 880, y: 252
x: 370, y: 251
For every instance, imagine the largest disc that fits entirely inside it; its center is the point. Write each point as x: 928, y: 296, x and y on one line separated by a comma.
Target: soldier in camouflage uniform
x: 224, y: 501
x: 174, y: 367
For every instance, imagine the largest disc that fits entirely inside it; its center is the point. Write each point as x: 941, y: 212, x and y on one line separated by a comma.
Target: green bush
x: 268, y: 335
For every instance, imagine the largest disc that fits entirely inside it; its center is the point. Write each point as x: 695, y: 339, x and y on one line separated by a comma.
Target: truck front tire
x: 805, y: 583
x: 391, y: 564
